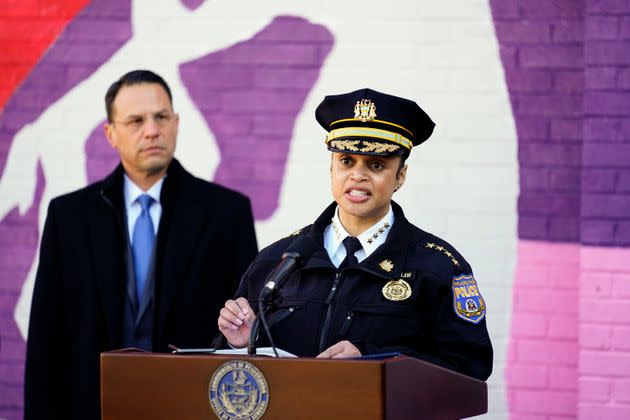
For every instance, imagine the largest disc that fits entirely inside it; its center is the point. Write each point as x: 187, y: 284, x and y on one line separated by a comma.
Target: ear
x: 176, y: 123
x: 108, y: 128
x: 402, y: 176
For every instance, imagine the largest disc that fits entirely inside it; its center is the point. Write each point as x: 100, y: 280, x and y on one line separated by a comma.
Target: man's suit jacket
x: 205, y: 242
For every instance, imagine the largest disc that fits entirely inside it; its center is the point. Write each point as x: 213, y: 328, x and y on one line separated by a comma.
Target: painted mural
x: 527, y: 173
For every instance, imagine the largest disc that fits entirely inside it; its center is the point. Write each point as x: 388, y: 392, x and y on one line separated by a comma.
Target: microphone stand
x: 263, y: 308
x: 298, y: 252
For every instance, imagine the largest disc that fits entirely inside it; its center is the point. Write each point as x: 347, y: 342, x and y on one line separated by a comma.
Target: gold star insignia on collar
x: 430, y: 245
x: 378, y: 233
x: 386, y: 265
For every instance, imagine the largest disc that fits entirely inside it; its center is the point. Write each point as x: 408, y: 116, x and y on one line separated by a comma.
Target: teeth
x: 358, y: 193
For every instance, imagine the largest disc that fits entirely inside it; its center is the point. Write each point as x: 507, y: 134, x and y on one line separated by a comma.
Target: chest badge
x: 386, y: 265
x: 397, y: 290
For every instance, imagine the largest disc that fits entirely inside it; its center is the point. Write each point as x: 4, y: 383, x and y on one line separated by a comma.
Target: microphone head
x: 301, y: 249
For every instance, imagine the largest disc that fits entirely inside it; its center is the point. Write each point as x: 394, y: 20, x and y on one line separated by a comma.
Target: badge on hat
x: 467, y: 301
x: 365, y: 110
x: 354, y: 126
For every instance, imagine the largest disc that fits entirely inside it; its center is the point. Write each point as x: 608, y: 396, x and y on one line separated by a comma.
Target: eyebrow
x: 131, y: 116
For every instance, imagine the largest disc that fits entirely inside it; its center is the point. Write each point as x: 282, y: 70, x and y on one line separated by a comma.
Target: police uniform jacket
x: 320, y: 305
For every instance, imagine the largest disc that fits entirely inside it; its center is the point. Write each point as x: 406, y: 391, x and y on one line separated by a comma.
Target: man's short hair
x: 134, y: 77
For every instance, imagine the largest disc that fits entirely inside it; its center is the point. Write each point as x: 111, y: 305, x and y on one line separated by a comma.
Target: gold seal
x: 397, y: 290
x: 386, y: 265
x: 365, y: 110
x: 238, y: 390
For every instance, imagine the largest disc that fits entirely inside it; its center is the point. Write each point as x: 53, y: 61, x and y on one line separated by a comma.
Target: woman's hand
x: 342, y: 350
x: 235, y: 321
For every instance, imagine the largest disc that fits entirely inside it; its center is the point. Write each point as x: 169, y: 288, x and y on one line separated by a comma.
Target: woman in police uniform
x: 377, y: 283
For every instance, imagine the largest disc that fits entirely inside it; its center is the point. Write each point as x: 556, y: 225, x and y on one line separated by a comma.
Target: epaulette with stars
x: 444, y: 251
x: 295, y: 233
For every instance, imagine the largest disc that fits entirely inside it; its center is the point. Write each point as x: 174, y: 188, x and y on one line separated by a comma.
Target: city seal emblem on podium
x: 238, y: 390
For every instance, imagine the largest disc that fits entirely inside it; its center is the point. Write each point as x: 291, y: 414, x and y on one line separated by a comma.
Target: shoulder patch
x: 444, y: 251
x: 467, y: 301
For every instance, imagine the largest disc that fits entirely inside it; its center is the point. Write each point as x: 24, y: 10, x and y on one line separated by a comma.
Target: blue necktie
x: 352, y: 245
x: 142, y: 244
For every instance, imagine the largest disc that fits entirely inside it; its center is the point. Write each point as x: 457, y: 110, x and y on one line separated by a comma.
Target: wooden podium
x: 138, y: 385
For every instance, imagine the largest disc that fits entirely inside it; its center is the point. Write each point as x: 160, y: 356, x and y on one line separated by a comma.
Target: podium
x: 163, y: 386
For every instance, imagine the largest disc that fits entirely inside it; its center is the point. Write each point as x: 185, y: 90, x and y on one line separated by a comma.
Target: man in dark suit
x: 144, y: 258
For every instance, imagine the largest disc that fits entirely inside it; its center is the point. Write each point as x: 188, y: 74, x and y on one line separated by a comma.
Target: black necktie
x: 352, y: 245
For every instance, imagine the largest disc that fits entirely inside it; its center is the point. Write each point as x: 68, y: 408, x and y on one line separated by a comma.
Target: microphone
x: 293, y: 258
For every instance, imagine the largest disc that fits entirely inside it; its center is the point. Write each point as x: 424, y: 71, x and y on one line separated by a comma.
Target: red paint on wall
x: 27, y: 29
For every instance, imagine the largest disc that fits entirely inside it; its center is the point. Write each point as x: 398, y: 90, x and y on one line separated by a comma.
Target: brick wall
x: 26, y: 31
x: 246, y: 81
x: 606, y: 158
x: 605, y: 287
x: 542, y: 368
x: 567, y: 70
x: 542, y: 53
x: 566, y: 65
x: 604, y: 330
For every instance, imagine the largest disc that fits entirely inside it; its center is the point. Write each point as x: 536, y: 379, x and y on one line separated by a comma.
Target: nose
x: 359, y: 172
x: 151, y: 128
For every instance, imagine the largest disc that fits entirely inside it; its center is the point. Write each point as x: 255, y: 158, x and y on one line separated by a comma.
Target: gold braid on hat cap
x: 375, y: 133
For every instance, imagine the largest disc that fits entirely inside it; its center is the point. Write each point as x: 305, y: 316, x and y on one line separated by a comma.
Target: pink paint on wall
x: 542, y: 369
x: 604, y: 328
x: 569, y: 351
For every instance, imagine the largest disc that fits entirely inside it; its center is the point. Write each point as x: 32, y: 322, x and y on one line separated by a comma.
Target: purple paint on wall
x: 18, y: 239
x: 242, y: 91
x: 58, y: 71
x: 542, y: 60
x: 192, y: 4
x: 71, y: 59
x: 606, y: 159
x: 250, y: 95
x: 100, y: 157
x: 568, y: 83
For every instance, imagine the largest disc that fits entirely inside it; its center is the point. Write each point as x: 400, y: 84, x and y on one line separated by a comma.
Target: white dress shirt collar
x: 133, y: 209
x: 132, y: 191
x: 371, y: 239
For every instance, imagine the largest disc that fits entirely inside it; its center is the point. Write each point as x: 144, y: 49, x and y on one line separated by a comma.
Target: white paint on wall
x: 461, y: 185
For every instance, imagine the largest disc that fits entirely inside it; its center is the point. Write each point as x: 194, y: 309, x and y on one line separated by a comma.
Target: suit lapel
x: 106, y: 229
x: 183, y: 221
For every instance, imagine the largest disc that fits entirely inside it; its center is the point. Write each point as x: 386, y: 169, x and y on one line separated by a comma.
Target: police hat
x: 368, y: 122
